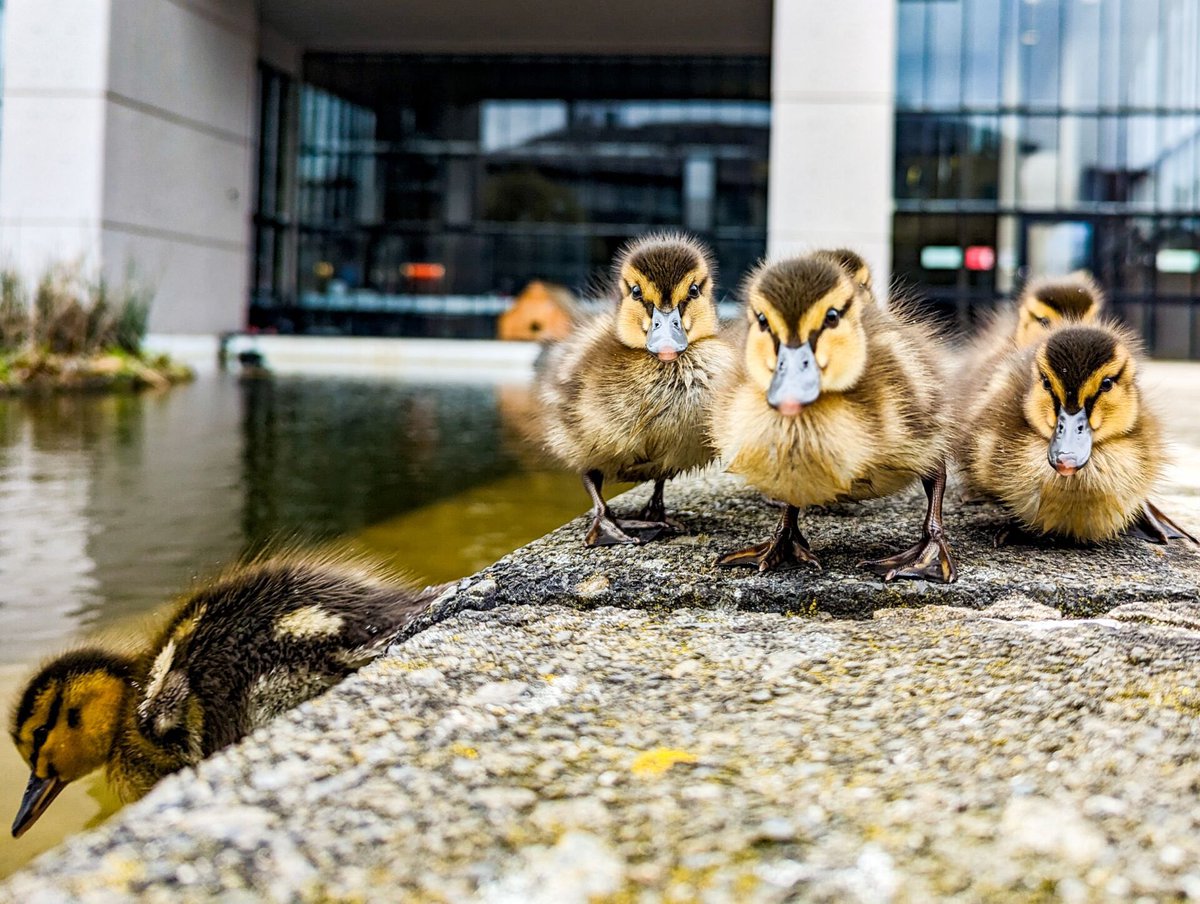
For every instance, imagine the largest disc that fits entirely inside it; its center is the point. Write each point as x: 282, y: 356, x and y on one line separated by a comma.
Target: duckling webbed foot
x: 1014, y: 534
x: 1155, y: 527
x: 787, y: 549
x: 654, y: 513
x: 931, y: 558
x: 607, y: 529
x: 928, y: 560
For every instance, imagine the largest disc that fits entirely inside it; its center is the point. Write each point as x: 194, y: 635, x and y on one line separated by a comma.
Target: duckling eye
x: 73, y: 719
x: 635, y: 292
x: 1046, y: 383
x: 1106, y: 384
x: 1044, y: 321
x: 693, y: 291
x: 40, y: 734
x: 832, y: 318
x: 762, y: 321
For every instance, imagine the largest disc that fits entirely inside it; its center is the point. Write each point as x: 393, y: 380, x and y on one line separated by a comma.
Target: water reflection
x: 110, y: 504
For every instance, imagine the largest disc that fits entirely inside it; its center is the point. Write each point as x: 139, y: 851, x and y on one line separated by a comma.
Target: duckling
x: 1061, y: 437
x: 626, y: 396
x: 837, y: 398
x: 1043, y: 304
x: 852, y: 262
x: 236, y: 652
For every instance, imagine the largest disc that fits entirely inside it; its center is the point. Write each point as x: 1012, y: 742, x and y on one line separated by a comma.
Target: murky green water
x: 109, y: 506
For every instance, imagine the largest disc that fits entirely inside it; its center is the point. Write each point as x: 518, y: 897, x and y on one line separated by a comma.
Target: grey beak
x: 666, y: 338
x: 797, y: 380
x: 1071, y: 446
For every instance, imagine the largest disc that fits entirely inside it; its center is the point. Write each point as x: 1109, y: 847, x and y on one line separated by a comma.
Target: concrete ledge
x: 565, y: 753
x: 724, y: 515
x: 430, y: 360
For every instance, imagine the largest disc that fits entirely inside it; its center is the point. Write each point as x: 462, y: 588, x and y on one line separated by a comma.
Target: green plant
x: 14, y: 312
x: 132, y: 317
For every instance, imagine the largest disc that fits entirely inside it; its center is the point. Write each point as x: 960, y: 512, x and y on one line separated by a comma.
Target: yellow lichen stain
x: 549, y: 677
x: 401, y: 665
x: 659, y: 760
x: 464, y: 751
x: 121, y: 872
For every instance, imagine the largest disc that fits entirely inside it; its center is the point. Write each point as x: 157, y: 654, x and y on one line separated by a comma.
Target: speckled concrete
x: 966, y: 743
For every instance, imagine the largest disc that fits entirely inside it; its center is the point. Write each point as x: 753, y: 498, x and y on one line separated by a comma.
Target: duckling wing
x: 268, y: 637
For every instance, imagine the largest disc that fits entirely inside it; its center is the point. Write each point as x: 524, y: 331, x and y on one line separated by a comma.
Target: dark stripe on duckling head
x: 65, y: 667
x: 1070, y: 299
x: 793, y: 286
x: 666, y: 259
x: 851, y: 261
x: 1074, y: 354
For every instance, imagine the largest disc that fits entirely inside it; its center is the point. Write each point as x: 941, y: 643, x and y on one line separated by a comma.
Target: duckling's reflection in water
x: 238, y: 651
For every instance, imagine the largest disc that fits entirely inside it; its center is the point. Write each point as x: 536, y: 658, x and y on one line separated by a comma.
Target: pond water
x: 109, y: 506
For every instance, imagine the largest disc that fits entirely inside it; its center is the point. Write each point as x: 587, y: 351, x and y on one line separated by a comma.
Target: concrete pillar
x: 128, y: 141
x: 833, y: 75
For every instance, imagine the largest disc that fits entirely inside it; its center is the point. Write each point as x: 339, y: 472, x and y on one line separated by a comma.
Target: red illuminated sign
x: 424, y: 272
x: 979, y: 257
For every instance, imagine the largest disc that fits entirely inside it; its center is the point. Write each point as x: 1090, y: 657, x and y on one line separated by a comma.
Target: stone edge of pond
x: 1126, y: 579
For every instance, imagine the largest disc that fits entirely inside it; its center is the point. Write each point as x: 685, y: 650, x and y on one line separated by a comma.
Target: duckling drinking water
x: 837, y: 398
x: 626, y: 397
x: 1062, y: 438
x: 235, y: 653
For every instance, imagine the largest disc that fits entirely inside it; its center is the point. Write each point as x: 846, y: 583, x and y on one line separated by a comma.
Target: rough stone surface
x: 975, y: 742
x: 722, y: 515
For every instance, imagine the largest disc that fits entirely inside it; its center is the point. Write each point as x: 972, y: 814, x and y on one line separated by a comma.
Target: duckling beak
x: 39, y: 794
x: 1071, y: 446
x: 667, y: 338
x: 797, y: 380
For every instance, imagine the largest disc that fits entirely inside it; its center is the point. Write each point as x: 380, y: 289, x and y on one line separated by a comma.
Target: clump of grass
x: 14, y: 312
x: 72, y: 315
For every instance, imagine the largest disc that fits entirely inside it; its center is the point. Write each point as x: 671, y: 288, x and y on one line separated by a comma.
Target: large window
x: 1040, y: 136
x: 429, y: 189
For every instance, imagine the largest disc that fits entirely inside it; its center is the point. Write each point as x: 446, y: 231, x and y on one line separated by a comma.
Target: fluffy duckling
x: 626, y: 397
x: 837, y: 398
x: 1062, y: 439
x: 235, y: 653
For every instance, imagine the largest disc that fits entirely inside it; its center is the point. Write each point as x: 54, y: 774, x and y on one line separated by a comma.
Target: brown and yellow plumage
x: 626, y: 397
x: 836, y: 398
x: 1043, y: 304
x: 237, y: 651
x: 1063, y: 438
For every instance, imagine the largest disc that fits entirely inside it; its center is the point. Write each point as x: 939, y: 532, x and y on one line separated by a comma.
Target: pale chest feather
x: 1097, y: 503
x: 828, y: 452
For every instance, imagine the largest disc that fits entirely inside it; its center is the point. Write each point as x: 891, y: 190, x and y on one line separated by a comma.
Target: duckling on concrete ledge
x: 1062, y: 438
x: 838, y: 398
x: 238, y: 651
x: 626, y: 397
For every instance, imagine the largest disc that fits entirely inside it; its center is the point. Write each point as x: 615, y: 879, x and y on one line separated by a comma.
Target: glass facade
x: 1041, y: 136
x: 428, y: 189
